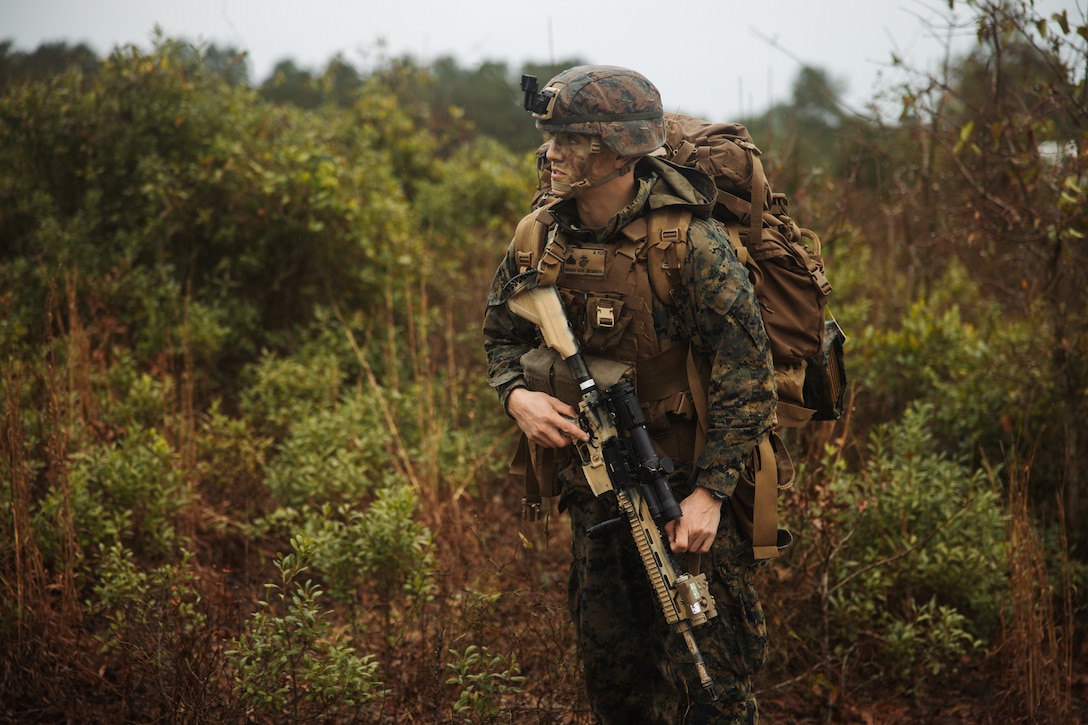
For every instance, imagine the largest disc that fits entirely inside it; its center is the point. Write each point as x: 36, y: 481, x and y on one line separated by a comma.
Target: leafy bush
x: 130, y: 599
x: 188, y: 211
x: 126, y: 495
x: 286, y: 389
x: 976, y: 377
x: 383, y: 550
x: 470, y: 208
x: 230, y: 461
x: 290, y: 662
x: 333, y: 455
x: 157, y: 633
x: 484, y: 679
x: 914, y: 551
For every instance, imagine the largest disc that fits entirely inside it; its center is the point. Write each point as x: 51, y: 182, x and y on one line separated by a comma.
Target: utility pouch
x: 790, y: 382
x: 825, y: 376
x: 546, y: 372
x: 604, y: 321
x: 534, y: 467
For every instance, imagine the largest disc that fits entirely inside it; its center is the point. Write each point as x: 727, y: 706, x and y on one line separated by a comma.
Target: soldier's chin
x: 564, y: 190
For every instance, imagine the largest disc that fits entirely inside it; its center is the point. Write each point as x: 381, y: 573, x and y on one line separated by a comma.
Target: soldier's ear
x: 614, y: 160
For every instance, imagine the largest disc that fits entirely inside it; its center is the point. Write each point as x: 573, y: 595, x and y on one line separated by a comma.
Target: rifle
x: 620, y: 458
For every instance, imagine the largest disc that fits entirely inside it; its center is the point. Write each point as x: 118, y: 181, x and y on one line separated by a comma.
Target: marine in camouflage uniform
x: 636, y: 668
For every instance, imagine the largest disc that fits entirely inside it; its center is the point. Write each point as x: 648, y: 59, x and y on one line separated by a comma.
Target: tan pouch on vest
x: 533, y: 466
x: 546, y: 372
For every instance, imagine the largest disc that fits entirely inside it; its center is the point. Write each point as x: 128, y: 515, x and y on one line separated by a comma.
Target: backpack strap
x: 759, y: 186
x: 765, y: 508
x: 667, y: 247
x: 698, y: 383
x: 755, y: 274
x: 530, y: 237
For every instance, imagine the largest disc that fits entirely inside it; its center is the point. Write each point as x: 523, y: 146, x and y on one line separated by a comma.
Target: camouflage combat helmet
x: 616, y: 104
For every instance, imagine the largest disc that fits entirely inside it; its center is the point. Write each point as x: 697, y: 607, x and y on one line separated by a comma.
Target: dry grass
x: 498, y: 583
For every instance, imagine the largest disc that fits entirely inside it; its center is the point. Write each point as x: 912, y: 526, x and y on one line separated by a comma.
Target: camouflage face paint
x: 579, y: 161
x: 571, y: 156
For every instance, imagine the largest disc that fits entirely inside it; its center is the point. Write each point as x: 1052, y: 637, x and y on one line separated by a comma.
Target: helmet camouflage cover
x: 619, y: 105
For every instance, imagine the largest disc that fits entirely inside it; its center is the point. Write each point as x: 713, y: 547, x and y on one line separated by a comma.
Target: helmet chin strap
x: 567, y: 191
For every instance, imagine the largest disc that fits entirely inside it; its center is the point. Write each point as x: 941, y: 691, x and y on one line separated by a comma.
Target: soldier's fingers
x: 678, y: 537
x: 571, y: 428
x: 554, y: 436
x: 567, y: 411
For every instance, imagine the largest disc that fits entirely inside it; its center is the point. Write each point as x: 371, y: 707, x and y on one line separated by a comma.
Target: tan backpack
x: 783, y: 259
x: 787, y: 271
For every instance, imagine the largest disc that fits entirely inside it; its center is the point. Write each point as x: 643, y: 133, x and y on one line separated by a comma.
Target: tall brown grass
x: 497, y: 583
x: 1038, y: 632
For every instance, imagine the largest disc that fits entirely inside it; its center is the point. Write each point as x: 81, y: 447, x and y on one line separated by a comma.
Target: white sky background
x: 715, y: 58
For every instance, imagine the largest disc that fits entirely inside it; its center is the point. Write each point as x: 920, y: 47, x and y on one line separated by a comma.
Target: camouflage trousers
x: 637, y: 668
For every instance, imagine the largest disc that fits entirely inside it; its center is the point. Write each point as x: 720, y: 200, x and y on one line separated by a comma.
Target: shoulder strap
x: 699, y: 383
x: 765, y: 505
x: 537, y: 245
x: 666, y: 238
x: 756, y: 508
x: 529, y: 237
x: 667, y: 247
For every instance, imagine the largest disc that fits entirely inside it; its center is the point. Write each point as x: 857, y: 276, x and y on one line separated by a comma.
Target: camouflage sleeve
x: 726, y: 328
x: 506, y: 336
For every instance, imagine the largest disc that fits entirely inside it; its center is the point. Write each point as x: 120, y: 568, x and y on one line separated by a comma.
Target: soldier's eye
x: 568, y: 140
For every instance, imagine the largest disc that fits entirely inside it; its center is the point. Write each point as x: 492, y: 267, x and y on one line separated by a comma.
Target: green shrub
x: 915, y: 550
x: 128, y: 494
x: 230, y: 461
x: 471, y: 207
x: 332, y: 455
x: 385, y: 546
x: 290, y: 664
x: 190, y: 216
x: 383, y: 550
x: 131, y: 398
x: 157, y: 636
x: 284, y: 390
x: 485, y: 680
x: 145, y: 608
x: 976, y: 376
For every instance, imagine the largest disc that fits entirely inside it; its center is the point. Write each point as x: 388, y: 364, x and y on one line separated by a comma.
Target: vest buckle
x: 606, y: 315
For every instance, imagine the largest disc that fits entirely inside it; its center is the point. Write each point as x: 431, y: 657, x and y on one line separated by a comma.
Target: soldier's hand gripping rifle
x: 620, y: 458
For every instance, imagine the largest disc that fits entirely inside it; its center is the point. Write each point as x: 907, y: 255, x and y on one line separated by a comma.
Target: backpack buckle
x: 670, y: 236
x: 531, y: 510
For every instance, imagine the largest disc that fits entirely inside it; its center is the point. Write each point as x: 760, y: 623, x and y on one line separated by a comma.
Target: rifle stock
x: 620, y: 458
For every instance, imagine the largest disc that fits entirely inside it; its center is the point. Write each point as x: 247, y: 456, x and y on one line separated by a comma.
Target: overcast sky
x: 717, y: 58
